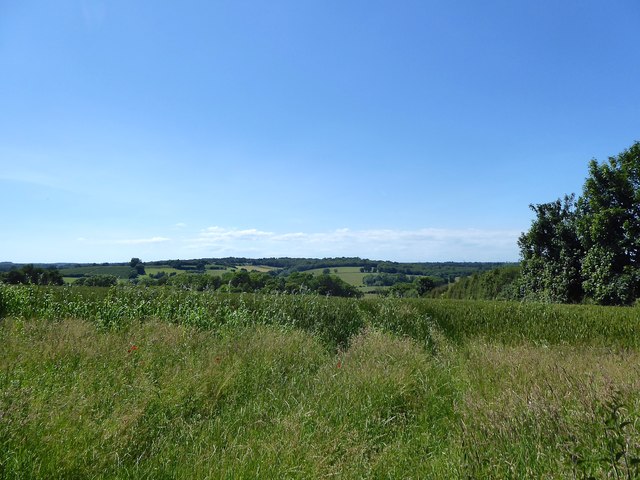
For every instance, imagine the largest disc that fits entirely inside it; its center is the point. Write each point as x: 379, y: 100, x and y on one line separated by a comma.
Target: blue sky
x: 400, y: 130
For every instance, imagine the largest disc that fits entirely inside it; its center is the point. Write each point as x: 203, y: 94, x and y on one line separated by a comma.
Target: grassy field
x: 153, y: 270
x: 249, y: 268
x: 155, y: 383
x: 162, y: 268
x: 351, y: 275
x: 219, y: 272
x: 256, y: 268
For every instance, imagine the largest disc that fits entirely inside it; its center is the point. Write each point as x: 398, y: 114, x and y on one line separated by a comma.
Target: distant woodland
x: 263, y: 275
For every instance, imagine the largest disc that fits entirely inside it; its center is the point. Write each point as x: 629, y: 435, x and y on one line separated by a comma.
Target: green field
x: 256, y: 268
x: 123, y: 272
x: 161, y: 268
x: 161, y: 383
x: 351, y: 275
x: 249, y: 268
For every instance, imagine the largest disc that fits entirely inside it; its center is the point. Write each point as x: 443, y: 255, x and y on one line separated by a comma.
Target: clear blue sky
x: 400, y: 130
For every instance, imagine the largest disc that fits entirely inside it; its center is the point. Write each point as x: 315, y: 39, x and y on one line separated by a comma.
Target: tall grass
x: 559, y: 412
x: 161, y: 383
x: 162, y: 400
x: 334, y: 320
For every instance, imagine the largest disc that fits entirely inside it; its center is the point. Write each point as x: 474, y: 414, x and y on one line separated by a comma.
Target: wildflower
x: 132, y: 348
x: 339, y: 364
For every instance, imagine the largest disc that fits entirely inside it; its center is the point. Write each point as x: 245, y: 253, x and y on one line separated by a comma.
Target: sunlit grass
x: 551, y: 412
x: 248, y: 402
x: 158, y: 383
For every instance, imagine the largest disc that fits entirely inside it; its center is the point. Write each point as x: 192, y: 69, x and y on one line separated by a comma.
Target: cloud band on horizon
x: 425, y: 244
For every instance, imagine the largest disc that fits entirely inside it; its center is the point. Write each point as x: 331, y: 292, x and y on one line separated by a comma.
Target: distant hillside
x: 447, y: 271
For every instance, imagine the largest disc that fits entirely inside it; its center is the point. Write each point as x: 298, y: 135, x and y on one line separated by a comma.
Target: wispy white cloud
x: 408, y: 245
x: 426, y: 244
x: 216, y: 234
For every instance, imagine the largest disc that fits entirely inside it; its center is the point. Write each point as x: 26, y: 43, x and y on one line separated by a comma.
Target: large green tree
x: 551, y: 253
x: 34, y: 275
x: 609, y: 228
x: 590, y: 247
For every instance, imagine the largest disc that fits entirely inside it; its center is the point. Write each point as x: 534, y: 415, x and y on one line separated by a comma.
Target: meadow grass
x: 555, y: 412
x: 335, y: 320
x: 160, y: 400
x: 159, y: 383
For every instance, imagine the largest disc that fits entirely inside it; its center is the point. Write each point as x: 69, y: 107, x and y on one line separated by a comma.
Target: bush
x: 97, y: 281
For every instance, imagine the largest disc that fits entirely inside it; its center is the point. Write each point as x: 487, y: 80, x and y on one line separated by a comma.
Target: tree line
x: 243, y: 281
x: 34, y: 275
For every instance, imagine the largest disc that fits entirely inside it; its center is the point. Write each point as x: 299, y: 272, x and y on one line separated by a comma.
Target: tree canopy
x: 34, y: 275
x: 589, y: 248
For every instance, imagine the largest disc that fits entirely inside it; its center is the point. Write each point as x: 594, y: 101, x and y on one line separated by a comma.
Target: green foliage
x: 330, y: 285
x: 384, y: 279
x: 243, y: 281
x: 121, y: 271
x: 531, y: 414
x: 552, y: 253
x: 609, y: 227
x: 133, y: 382
x: 590, y: 247
x: 403, y: 290
x: 162, y: 401
x: 97, y: 281
x: 401, y: 285
x: 194, y: 281
x: 32, y: 275
x: 350, y: 269
x: 333, y: 285
x: 335, y: 320
x: 424, y: 285
x: 499, y: 284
